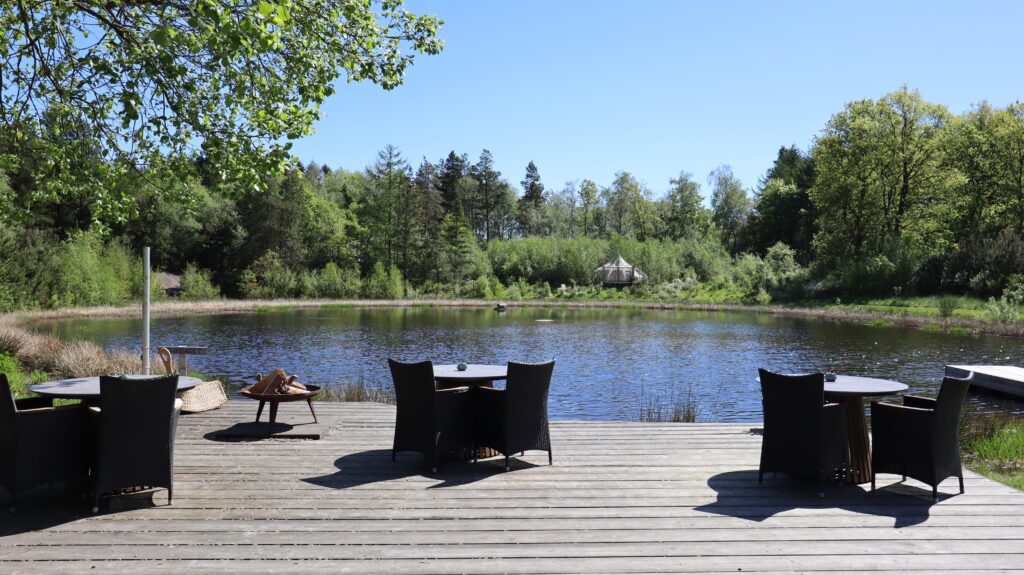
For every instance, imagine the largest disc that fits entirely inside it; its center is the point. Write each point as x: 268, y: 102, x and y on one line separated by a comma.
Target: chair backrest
x: 137, y: 412
x: 948, y: 406
x: 8, y: 409
x: 792, y: 407
x: 526, y: 392
x: 414, y: 388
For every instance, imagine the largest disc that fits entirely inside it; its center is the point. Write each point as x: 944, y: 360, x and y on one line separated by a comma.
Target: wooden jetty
x: 1002, y: 378
x: 620, y: 498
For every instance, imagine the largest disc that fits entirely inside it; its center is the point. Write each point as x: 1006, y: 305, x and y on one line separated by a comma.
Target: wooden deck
x: 1005, y: 379
x: 621, y: 497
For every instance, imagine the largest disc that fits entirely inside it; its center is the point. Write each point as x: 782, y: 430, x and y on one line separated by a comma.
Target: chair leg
x: 935, y: 492
x: 507, y: 467
x: 872, y: 480
x: 170, y: 495
x: 550, y: 460
x: 961, y: 478
x: 96, y: 502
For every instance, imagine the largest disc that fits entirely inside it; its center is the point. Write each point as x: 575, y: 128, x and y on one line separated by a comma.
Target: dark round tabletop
x: 474, y: 372
x: 856, y: 386
x: 89, y: 387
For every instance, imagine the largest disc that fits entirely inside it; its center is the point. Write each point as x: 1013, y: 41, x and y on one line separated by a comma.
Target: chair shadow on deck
x: 739, y: 495
x: 375, y: 466
x: 39, y: 509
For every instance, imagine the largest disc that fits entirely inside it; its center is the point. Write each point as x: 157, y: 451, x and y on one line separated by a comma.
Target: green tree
x: 589, y: 205
x: 450, y: 171
x: 783, y: 210
x: 492, y: 204
x: 880, y: 180
x: 152, y: 84
x: 730, y: 207
x: 684, y: 206
x: 530, y: 213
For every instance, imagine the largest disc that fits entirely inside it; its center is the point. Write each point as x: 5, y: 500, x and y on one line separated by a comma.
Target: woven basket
x: 203, y: 397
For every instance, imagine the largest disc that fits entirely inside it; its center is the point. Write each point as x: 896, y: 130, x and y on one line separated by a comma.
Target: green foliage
x: 985, y: 265
x: 268, y: 277
x: 384, y: 283
x: 947, y: 305
x: 232, y: 81
x: 197, y: 285
x: 1002, y: 309
x: 880, y: 181
x: 84, y: 270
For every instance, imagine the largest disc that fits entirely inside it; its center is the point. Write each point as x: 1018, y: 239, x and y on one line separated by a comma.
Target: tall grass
x: 995, y: 448
x: 63, y: 359
x: 358, y: 391
x: 678, y: 408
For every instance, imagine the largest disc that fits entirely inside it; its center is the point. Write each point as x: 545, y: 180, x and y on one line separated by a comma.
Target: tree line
x: 895, y: 196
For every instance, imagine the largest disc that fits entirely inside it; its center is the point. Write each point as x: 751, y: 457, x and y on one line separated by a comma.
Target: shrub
x: 947, y: 305
x: 384, y: 283
x: 984, y: 266
x: 196, y: 284
x: 1002, y: 310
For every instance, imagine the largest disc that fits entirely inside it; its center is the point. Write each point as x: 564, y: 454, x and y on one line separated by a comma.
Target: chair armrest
x: 900, y: 420
x: 918, y: 401
x: 27, y: 403
x: 67, y: 419
x: 50, y: 409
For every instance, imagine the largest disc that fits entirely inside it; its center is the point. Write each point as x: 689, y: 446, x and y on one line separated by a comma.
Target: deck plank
x: 621, y: 498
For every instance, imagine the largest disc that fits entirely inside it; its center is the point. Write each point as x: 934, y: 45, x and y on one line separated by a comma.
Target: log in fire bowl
x: 276, y: 398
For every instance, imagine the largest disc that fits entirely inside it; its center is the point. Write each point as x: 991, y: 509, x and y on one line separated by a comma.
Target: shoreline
x: 165, y: 309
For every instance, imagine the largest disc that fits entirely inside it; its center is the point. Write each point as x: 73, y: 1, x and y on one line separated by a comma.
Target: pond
x: 609, y: 362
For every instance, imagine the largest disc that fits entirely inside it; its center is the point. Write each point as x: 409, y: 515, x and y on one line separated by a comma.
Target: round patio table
x: 475, y: 374
x: 850, y: 391
x: 89, y: 387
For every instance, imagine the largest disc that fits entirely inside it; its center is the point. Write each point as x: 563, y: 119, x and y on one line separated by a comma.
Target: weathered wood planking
x: 1002, y: 378
x: 621, y: 497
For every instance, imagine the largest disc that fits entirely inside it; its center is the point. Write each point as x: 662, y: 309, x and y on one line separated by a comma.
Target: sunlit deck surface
x: 621, y: 497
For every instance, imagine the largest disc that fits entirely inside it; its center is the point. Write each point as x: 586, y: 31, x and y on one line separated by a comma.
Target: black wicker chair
x: 39, y: 443
x: 134, y: 442
x: 921, y: 438
x: 515, y: 419
x: 429, y: 421
x: 803, y: 435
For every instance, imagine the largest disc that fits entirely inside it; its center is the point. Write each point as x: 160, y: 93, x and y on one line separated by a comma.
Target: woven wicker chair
x: 429, y: 421
x: 515, y: 419
x: 921, y: 438
x: 803, y: 435
x: 134, y: 446
x: 39, y: 443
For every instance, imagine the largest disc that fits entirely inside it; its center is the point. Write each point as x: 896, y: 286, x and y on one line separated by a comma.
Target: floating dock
x: 1002, y: 378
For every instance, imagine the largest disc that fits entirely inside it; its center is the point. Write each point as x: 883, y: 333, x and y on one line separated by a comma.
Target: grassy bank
x: 995, y: 448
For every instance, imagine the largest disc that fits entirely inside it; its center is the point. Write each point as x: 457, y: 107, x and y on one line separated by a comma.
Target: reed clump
x: 62, y: 359
x: 679, y: 408
x: 358, y: 391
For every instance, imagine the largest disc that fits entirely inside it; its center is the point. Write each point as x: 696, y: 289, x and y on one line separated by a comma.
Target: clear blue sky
x: 588, y: 88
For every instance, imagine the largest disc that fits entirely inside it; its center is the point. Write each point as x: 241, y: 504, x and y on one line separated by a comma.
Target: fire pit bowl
x: 275, y: 398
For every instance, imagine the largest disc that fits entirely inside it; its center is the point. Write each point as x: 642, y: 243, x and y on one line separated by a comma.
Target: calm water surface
x: 607, y: 360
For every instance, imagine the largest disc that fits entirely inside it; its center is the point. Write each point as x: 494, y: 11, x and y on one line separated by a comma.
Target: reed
x: 357, y: 391
x: 679, y: 408
x: 63, y: 359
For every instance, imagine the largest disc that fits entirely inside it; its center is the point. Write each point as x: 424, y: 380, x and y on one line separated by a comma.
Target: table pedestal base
x: 858, y: 445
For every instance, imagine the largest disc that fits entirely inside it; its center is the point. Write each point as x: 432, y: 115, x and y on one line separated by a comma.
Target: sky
x: 589, y: 88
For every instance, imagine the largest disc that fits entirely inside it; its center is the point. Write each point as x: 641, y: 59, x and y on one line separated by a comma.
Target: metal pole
x: 145, y: 310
